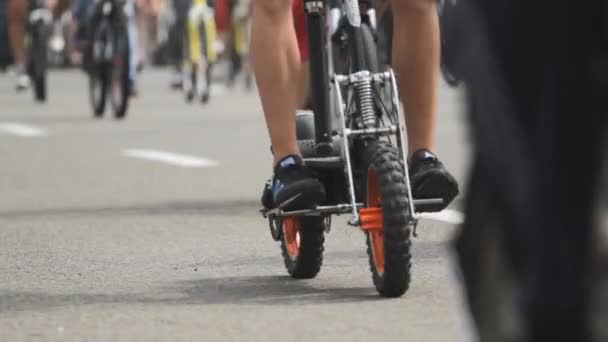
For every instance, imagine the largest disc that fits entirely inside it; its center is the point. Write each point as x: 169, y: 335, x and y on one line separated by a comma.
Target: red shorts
x: 222, y: 15
x: 299, y: 21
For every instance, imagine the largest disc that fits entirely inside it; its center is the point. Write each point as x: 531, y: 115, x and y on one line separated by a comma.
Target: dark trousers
x: 537, y: 75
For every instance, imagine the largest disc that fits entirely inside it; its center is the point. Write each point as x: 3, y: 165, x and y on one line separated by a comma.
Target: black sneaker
x: 292, y: 187
x: 430, y: 179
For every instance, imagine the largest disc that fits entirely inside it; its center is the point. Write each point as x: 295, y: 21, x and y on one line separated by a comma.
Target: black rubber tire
x: 40, y: 88
x: 202, y: 33
x: 341, y: 61
x: 98, y: 75
x: 384, y: 159
x: 38, y: 55
x: 307, y: 263
x: 121, y: 104
x: 369, y: 48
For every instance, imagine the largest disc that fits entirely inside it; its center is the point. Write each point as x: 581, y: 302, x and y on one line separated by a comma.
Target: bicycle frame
x: 319, y: 77
x: 108, y: 14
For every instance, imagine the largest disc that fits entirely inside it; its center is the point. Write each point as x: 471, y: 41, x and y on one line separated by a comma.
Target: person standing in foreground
x: 537, y: 98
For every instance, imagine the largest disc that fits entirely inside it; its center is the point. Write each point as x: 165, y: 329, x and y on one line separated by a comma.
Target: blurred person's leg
x: 537, y: 97
x: 177, y: 39
x: 17, y: 15
x: 222, y: 22
x: 58, y: 7
x: 241, y: 18
x: 416, y: 61
x: 5, y: 48
x: 134, y: 48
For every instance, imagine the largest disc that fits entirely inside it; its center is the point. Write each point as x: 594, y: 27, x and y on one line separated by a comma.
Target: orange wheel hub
x: 372, y: 220
x: 291, y: 235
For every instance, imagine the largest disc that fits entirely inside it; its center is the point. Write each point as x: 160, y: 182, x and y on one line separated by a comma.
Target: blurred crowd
x: 153, y: 18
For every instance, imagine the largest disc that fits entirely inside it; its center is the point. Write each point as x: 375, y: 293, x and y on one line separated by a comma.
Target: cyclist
x: 278, y: 71
x: 17, y: 14
x: 82, y: 11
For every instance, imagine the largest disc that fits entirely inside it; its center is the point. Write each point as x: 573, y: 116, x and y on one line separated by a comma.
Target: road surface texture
x: 147, y: 229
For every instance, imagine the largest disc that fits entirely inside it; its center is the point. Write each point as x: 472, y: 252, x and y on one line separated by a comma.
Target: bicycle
x: 200, y: 52
x: 109, y: 58
x: 38, y: 30
x: 59, y: 52
x: 355, y: 143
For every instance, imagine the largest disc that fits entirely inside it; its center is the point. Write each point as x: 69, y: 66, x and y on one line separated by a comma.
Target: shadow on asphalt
x: 228, y: 207
x: 269, y: 290
x: 256, y: 290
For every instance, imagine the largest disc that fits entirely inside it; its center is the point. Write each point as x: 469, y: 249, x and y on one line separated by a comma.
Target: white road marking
x: 447, y: 215
x: 218, y: 90
x: 22, y: 130
x: 170, y: 158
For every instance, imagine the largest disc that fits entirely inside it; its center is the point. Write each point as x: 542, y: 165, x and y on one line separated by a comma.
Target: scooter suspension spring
x: 366, y: 103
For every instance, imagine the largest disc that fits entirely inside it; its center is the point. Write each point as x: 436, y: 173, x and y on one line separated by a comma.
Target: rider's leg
x: 17, y: 20
x: 303, y: 90
x: 416, y: 59
x: 276, y: 62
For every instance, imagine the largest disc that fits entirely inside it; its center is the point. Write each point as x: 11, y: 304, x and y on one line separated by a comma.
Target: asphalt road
x: 148, y: 229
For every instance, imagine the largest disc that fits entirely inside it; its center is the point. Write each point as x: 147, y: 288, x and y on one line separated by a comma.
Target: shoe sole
x: 436, y: 185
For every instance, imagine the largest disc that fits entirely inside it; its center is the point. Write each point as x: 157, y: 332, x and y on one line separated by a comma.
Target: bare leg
x: 416, y: 60
x: 17, y: 14
x: 275, y: 60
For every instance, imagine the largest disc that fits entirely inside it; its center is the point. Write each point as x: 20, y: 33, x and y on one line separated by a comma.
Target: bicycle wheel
x: 97, y: 69
x: 98, y: 84
x: 119, y: 75
x: 38, y: 62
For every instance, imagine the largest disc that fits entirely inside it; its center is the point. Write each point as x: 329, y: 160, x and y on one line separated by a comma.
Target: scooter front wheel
x: 386, y: 219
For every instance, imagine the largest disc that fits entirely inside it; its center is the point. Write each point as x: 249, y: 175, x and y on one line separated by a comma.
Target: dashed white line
x: 22, y: 130
x: 218, y: 90
x: 181, y: 160
x: 447, y: 215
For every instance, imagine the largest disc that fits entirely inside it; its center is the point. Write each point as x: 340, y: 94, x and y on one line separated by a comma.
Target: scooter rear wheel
x: 302, y: 245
